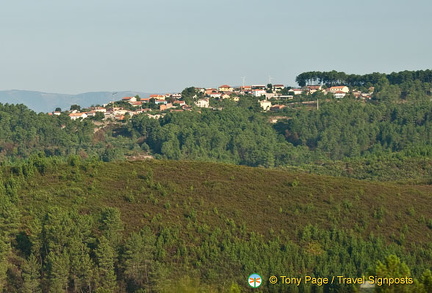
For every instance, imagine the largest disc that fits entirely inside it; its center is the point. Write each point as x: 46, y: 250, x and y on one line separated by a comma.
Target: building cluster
x: 337, y: 91
x: 276, y: 91
x: 226, y: 91
x: 174, y: 102
x: 138, y: 105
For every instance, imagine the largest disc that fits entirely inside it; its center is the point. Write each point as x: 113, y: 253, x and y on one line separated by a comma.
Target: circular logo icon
x: 254, y: 280
x: 273, y: 280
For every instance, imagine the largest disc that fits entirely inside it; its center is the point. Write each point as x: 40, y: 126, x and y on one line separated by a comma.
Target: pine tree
x: 31, y: 275
x: 82, y: 267
x: 139, y: 258
x: 112, y: 226
x: 59, y: 266
x: 105, y: 256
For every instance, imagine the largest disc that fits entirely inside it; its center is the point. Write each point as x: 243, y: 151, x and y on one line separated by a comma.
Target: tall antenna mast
x: 243, y: 78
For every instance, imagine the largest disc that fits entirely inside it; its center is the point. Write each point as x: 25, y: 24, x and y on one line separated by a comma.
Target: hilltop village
x: 270, y: 97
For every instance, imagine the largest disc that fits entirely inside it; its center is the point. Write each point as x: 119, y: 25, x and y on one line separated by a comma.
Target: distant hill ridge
x: 47, y: 102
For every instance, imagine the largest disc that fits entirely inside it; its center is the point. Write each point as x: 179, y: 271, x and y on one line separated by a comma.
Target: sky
x: 163, y: 46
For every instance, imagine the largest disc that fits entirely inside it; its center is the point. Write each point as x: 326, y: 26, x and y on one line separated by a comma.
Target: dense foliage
x: 71, y: 223
x: 88, y: 226
x: 234, y: 135
x: 23, y: 132
x: 352, y: 129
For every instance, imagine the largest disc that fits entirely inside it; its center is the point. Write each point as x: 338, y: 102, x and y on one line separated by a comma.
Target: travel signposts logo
x: 254, y: 280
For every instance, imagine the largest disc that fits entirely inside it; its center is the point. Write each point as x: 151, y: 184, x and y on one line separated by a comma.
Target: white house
x: 296, y: 92
x: 75, y: 116
x: 129, y: 99
x: 145, y: 100
x: 215, y: 95
x: 266, y: 105
x: 278, y: 87
x: 203, y: 103
x: 258, y: 92
x: 225, y: 88
x: 339, y: 94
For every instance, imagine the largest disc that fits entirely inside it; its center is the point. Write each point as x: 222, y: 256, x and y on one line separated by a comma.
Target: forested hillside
x: 363, y: 140
x: 81, y: 212
x: 88, y: 226
x: 380, y: 138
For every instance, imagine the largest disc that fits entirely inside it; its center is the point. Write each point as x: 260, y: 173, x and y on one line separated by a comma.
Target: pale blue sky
x: 166, y: 45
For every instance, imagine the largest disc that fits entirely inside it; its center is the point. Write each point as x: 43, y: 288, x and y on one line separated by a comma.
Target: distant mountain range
x: 47, y: 102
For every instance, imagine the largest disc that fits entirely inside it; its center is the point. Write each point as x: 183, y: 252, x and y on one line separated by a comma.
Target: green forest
x: 343, y: 189
x: 178, y: 226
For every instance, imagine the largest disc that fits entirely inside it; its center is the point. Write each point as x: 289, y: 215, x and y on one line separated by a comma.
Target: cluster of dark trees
x: 23, y: 132
x: 332, y: 78
x: 351, y: 129
x: 63, y: 250
x: 234, y: 135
